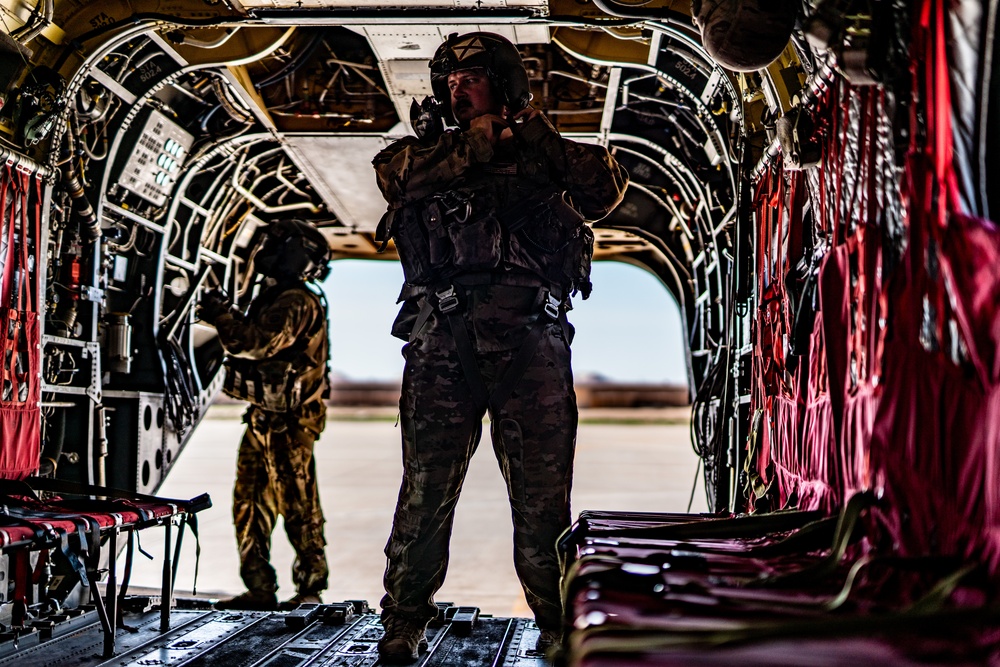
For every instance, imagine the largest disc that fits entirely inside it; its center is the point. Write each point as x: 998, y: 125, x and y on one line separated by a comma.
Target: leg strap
x: 447, y: 304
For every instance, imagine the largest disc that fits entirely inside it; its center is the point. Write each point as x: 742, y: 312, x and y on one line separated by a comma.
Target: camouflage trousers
x: 276, y: 476
x: 534, y: 439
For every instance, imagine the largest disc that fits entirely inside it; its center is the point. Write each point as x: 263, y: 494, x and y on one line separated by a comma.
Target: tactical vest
x: 492, y: 219
x: 293, y: 376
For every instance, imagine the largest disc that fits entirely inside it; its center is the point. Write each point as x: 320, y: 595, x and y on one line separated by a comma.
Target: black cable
x: 295, y: 64
x: 694, y: 485
x: 180, y: 395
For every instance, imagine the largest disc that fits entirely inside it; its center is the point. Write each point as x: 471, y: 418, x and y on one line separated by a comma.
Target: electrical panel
x: 156, y: 159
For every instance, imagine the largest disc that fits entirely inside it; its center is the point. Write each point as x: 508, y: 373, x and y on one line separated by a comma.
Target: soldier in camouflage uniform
x: 277, y: 360
x: 489, y: 224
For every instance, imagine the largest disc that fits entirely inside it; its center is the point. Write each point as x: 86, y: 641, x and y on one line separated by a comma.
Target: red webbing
x: 143, y: 512
x: 20, y: 337
x: 937, y: 430
x: 17, y: 535
x: 817, y: 422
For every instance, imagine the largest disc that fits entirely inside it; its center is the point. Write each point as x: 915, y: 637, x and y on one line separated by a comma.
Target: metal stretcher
x: 51, y: 535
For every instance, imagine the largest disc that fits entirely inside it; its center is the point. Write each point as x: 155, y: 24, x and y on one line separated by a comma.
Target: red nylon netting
x: 20, y: 381
x: 898, y: 392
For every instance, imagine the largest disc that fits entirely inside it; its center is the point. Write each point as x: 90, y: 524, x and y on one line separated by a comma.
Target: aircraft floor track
x: 320, y: 637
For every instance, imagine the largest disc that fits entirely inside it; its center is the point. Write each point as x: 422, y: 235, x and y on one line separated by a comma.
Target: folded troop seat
x: 668, y: 589
x: 53, y: 534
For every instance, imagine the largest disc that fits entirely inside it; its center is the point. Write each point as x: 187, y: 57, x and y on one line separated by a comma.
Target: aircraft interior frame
x: 812, y: 181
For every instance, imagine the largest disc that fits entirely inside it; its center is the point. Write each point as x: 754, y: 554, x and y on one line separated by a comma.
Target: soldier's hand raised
x: 213, y: 304
x: 491, y: 125
x: 526, y: 114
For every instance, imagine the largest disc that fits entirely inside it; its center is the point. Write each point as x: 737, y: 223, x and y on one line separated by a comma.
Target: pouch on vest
x: 476, y: 243
x: 579, y: 256
x: 420, y: 240
x: 272, y: 385
x: 472, y: 232
x: 552, y: 223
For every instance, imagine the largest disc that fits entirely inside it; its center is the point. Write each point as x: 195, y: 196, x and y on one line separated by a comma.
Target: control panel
x: 156, y: 159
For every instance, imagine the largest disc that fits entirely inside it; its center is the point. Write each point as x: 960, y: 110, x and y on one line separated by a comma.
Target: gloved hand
x: 213, y: 303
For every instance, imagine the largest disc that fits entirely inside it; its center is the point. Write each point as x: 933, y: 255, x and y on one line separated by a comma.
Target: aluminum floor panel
x: 209, y: 638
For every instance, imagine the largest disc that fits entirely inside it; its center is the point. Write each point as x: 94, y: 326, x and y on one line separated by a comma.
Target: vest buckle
x: 551, y: 306
x: 447, y: 300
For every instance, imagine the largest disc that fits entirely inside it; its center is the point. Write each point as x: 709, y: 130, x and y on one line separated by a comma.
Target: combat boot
x: 547, y: 639
x: 250, y: 601
x: 402, y: 642
x: 301, y: 598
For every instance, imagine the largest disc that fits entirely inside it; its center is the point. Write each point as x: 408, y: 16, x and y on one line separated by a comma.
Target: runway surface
x: 626, y: 460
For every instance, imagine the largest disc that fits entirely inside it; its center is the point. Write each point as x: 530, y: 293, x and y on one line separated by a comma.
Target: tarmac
x: 627, y: 460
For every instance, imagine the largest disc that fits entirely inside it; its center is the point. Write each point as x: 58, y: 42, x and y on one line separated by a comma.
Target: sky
x: 629, y: 330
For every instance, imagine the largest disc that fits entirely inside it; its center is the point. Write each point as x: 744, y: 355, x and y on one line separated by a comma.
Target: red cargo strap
x: 20, y: 381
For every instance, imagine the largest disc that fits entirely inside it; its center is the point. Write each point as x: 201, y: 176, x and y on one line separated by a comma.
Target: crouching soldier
x: 277, y: 360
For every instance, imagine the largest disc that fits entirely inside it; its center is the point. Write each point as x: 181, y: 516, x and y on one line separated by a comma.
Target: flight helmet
x: 489, y: 51
x: 293, y: 250
x: 745, y: 35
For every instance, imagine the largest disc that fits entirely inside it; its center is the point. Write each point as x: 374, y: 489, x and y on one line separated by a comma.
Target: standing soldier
x: 489, y: 224
x: 277, y: 360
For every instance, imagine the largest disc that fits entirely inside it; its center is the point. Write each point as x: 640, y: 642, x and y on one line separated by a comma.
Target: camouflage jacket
x: 281, y: 342
x: 410, y: 170
x: 519, y: 206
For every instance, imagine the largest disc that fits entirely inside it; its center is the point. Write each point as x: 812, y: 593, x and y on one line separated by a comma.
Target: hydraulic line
x: 669, y: 16
x: 83, y: 211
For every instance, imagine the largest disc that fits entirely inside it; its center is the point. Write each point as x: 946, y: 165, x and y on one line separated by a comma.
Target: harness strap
x: 126, y: 577
x: 192, y: 522
x: 515, y: 278
x: 447, y: 304
x: 505, y: 387
x: 426, y: 308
